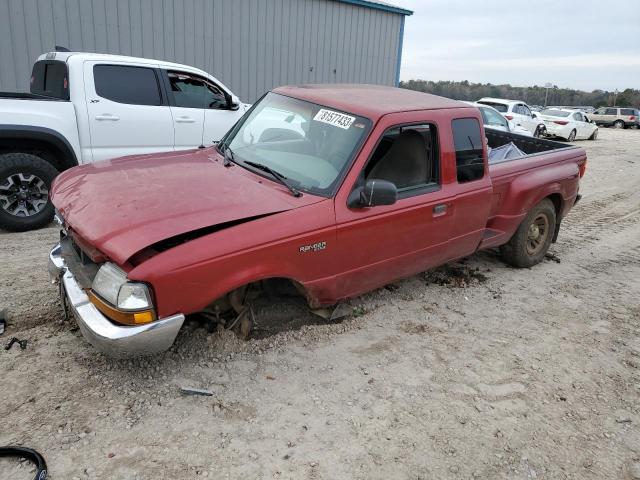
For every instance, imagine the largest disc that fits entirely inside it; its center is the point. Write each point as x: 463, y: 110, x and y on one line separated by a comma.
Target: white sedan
x: 568, y: 124
x: 492, y: 118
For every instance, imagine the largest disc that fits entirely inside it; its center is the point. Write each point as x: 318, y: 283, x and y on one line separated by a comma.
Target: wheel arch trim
x: 43, y: 134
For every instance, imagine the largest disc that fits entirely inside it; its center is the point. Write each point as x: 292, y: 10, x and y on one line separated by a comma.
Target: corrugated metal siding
x: 251, y: 45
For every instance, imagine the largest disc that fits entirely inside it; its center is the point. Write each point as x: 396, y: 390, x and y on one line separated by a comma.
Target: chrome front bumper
x: 111, y: 339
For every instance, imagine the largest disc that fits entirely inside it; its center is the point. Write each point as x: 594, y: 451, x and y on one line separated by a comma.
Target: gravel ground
x: 475, y: 370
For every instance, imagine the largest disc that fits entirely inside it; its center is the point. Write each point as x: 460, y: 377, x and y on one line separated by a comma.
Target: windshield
x: 555, y: 113
x: 308, y: 144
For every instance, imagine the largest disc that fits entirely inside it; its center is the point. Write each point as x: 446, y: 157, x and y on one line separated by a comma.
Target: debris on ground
x: 3, y: 320
x: 454, y: 275
x: 552, y: 257
x: 22, y: 343
x: 196, y: 391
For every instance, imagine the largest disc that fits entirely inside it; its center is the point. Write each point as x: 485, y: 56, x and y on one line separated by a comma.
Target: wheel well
x: 271, y: 285
x: 49, y: 152
x: 556, y: 199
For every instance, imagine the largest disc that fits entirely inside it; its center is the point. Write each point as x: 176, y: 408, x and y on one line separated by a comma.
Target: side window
x: 525, y: 110
x: 468, y: 143
x: 408, y: 157
x: 626, y: 111
x: 125, y: 84
x: 578, y: 117
x: 191, y: 91
x: 611, y: 111
x: 599, y: 111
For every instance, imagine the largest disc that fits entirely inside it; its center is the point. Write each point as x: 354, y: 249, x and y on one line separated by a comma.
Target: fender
x: 42, y: 134
x: 528, y: 189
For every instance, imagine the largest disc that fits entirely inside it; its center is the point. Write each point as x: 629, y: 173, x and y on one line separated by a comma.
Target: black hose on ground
x: 29, y: 454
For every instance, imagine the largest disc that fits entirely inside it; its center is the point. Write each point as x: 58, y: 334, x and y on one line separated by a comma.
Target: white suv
x: 517, y: 112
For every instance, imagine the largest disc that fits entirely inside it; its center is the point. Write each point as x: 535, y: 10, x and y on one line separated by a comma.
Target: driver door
x: 377, y: 245
x: 200, y: 110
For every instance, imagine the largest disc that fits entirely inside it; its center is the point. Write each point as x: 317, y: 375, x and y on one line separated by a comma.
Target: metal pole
x: 546, y: 94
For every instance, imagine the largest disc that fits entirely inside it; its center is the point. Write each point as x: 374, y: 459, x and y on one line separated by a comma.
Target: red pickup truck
x: 338, y: 189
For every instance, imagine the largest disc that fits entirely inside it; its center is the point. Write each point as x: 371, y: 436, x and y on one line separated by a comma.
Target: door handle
x: 107, y: 116
x: 185, y: 120
x: 440, y: 209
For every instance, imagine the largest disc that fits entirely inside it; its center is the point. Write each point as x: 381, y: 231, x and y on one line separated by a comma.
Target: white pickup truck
x: 85, y: 107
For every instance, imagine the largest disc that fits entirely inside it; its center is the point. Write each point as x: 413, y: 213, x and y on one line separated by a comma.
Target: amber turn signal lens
x: 118, y: 316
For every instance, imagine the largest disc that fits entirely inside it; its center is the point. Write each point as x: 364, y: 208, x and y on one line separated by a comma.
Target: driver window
x: 407, y: 156
x: 191, y: 91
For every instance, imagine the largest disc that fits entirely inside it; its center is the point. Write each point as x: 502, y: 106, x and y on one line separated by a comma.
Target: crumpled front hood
x: 122, y: 206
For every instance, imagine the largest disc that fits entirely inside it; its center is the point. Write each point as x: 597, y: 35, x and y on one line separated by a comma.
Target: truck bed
x: 519, y: 183
x: 529, y: 145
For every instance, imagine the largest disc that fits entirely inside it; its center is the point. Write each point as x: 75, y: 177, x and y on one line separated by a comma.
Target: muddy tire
x: 594, y: 135
x: 572, y: 136
x: 530, y: 243
x: 25, y: 181
x: 618, y: 124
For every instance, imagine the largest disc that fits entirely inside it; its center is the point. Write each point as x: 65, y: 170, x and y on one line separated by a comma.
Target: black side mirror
x: 373, y: 193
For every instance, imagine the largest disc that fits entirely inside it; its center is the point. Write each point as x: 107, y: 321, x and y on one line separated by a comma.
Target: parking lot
x: 476, y: 370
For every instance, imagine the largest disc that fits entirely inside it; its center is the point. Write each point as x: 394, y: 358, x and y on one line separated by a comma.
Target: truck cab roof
x: 371, y: 101
x: 84, y: 56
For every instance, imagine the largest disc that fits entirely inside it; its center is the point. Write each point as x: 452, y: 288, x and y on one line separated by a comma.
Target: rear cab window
x: 467, y: 138
x: 127, y: 84
x: 501, y: 107
x: 50, y: 79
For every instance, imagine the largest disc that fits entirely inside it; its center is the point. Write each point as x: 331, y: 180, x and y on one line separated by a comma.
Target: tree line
x: 535, y: 95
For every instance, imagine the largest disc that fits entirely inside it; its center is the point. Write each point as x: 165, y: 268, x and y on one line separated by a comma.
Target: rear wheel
x: 25, y: 181
x: 572, y: 136
x: 594, y: 135
x: 531, y: 241
x: 618, y: 124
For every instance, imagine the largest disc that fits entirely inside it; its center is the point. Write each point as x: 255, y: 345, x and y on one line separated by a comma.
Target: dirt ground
x: 475, y: 370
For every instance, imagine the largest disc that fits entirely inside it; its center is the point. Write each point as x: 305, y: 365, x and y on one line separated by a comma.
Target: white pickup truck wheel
x: 24, y: 192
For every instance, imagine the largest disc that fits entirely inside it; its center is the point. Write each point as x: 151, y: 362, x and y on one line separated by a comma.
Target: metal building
x: 251, y: 45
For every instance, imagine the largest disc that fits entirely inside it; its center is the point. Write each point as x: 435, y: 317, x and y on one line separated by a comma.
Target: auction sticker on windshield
x: 334, y: 118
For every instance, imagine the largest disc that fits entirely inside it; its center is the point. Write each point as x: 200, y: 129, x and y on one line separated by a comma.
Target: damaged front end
x: 116, y: 316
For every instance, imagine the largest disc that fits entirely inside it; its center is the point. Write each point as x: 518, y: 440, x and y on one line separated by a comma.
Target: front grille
x: 78, y: 262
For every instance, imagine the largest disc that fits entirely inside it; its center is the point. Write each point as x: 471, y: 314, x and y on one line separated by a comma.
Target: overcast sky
x: 584, y: 44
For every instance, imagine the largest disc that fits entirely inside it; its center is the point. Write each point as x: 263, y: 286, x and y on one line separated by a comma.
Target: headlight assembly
x: 122, y: 301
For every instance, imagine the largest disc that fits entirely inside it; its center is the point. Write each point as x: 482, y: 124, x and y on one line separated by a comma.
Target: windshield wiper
x: 278, y: 176
x: 228, y: 156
